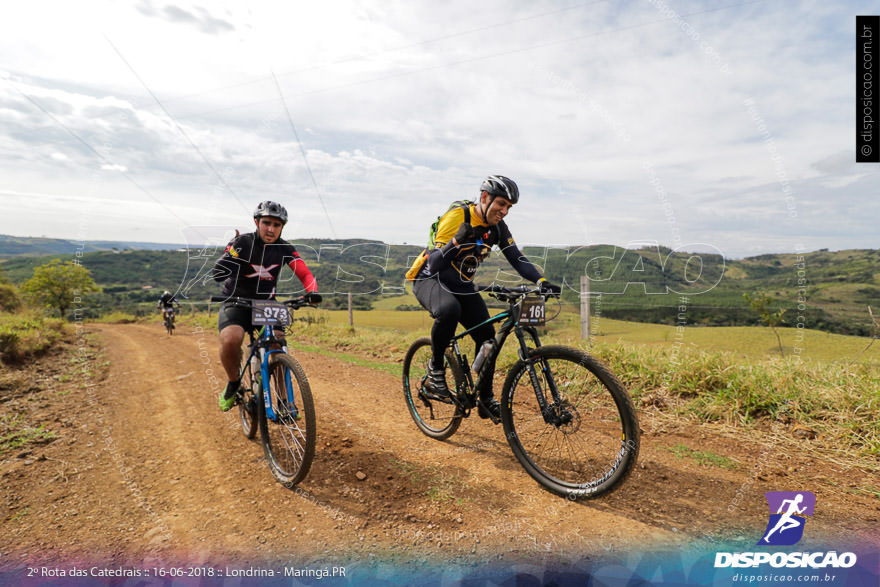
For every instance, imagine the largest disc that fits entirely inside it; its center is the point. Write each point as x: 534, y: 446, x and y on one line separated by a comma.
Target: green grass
x: 384, y: 319
x: 391, y: 368
x: 703, y: 458
x: 392, y: 302
x: 16, y: 434
x: 747, y: 341
x: 28, y: 334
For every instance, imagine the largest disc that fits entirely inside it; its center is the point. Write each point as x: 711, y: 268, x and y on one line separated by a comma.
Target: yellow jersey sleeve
x: 448, y: 226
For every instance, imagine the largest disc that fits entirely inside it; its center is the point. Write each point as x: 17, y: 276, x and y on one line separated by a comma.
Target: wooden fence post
x: 585, y: 307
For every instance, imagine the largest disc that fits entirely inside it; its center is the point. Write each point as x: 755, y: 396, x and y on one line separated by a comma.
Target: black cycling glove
x: 548, y: 288
x: 464, y: 236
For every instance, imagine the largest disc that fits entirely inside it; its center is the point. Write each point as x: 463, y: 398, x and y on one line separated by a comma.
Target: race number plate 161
x: 533, y: 312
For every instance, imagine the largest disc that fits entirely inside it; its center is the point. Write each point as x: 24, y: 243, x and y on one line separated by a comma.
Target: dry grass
x: 28, y: 334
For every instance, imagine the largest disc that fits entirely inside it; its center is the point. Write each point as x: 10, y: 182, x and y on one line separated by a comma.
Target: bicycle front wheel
x: 436, y: 418
x: 289, y: 434
x: 585, y: 440
x: 247, y: 407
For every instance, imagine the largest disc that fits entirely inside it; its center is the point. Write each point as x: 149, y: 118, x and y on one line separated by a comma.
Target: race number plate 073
x: 269, y: 312
x: 533, y: 312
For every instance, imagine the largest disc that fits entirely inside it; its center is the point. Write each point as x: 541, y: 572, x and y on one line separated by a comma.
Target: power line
x: 176, y: 124
x: 303, y: 151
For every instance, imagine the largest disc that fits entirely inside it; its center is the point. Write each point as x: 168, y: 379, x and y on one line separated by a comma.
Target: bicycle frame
x: 511, y: 318
x: 261, y: 345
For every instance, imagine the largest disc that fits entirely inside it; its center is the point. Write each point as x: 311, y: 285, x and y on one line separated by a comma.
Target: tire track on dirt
x: 209, y: 485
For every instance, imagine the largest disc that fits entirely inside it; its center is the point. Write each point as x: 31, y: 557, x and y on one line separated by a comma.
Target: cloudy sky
x: 720, y: 126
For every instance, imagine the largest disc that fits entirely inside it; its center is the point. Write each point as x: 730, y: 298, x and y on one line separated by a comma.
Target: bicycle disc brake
x: 564, y: 416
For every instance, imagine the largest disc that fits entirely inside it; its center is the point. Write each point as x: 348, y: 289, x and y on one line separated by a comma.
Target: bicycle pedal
x: 484, y: 413
x: 430, y: 396
x: 425, y: 399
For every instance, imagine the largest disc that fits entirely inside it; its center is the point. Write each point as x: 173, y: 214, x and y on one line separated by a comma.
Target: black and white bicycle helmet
x: 498, y: 185
x: 273, y: 209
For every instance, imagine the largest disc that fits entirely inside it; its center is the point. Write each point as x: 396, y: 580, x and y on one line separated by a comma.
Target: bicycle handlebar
x: 309, y: 299
x: 516, y: 290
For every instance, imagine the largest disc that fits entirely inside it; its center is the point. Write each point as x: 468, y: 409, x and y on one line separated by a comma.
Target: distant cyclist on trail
x: 443, y: 276
x: 167, y: 302
x: 249, y: 268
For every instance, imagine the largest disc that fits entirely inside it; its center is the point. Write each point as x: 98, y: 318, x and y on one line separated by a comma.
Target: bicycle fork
x: 555, y: 414
x: 288, y: 399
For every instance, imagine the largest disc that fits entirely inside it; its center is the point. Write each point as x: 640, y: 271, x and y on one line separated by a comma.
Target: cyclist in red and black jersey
x: 443, y: 283
x: 249, y: 268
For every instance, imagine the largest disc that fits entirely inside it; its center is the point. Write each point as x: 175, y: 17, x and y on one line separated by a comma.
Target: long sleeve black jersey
x: 249, y: 267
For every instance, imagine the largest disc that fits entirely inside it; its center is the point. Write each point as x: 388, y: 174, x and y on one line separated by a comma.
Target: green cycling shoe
x: 228, y: 397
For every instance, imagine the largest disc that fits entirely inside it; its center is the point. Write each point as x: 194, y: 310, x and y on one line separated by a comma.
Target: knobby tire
x: 288, y: 442
x: 596, y: 448
x: 247, y: 407
x: 436, y: 419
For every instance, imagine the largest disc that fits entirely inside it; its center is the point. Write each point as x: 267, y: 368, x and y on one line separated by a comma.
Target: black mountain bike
x: 567, y: 418
x: 169, y: 321
x: 275, y: 396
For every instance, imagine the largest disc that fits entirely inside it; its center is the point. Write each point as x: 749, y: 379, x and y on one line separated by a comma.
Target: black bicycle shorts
x: 233, y: 314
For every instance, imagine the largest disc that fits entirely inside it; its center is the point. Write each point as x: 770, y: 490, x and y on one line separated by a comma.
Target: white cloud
x: 401, y: 110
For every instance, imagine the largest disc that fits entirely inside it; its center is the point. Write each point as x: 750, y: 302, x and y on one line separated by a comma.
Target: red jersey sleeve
x: 302, y: 272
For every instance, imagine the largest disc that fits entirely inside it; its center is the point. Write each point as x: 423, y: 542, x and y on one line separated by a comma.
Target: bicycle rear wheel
x: 435, y: 418
x: 289, y: 437
x: 582, y: 445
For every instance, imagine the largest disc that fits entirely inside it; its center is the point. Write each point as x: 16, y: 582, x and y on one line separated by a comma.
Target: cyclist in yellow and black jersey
x: 455, y: 261
x: 443, y: 280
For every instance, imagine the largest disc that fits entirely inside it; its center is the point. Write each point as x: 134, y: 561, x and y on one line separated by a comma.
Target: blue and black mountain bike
x: 275, y: 396
x: 569, y: 421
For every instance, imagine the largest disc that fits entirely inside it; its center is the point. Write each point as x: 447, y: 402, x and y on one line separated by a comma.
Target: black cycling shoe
x: 488, y: 407
x: 435, y: 385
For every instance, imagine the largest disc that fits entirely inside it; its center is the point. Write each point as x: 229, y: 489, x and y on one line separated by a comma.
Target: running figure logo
x: 787, y: 511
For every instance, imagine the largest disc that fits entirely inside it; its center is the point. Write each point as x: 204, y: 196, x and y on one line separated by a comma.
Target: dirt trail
x: 146, y: 468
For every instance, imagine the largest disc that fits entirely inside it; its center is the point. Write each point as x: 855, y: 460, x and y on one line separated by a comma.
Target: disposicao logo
x: 787, y: 511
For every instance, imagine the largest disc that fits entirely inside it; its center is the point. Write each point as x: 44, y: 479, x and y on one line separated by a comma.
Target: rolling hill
x: 826, y: 290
